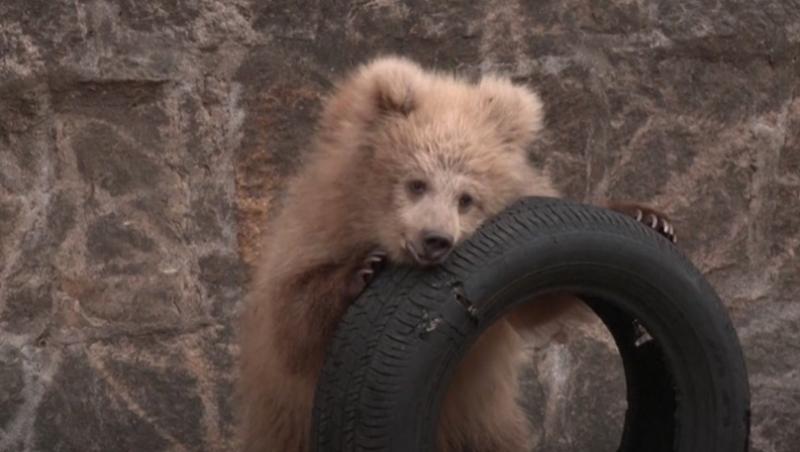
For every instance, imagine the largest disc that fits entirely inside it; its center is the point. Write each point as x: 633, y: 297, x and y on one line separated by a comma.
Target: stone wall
x: 142, y: 143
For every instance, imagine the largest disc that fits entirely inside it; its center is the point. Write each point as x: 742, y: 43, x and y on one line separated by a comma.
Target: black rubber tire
x: 397, y: 346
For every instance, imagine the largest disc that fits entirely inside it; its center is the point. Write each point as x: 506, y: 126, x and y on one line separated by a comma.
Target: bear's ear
x: 394, y: 84
x: 515, y: 111
x: 388, y: 85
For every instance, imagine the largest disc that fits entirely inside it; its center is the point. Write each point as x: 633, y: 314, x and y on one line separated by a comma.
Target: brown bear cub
x: 406, y: 164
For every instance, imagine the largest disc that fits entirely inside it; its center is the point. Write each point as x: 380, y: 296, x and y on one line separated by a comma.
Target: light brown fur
x: 389, y: 122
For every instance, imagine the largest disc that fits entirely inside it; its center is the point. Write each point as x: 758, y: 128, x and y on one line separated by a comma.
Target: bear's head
x: 438, y: 155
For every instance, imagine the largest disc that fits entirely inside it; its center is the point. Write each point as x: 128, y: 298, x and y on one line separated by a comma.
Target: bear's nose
x: 436, y: 245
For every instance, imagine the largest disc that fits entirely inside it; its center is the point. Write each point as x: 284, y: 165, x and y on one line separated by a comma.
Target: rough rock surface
x: 142, y: 145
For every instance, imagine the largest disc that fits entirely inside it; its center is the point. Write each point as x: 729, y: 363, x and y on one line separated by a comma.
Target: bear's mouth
x: 421, y: 259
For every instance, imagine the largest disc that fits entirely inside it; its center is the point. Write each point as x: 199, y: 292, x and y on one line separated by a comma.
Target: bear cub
x: 406, y: 164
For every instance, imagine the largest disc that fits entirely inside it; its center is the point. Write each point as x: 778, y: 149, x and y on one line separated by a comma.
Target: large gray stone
x: 144, y: 144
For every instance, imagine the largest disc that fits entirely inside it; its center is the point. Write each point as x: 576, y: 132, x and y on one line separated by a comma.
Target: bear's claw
x: 650, y: 217
x: 364, y: 274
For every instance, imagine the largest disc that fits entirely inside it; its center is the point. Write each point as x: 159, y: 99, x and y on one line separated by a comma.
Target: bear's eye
x: 465, y: 201
x: 417, y: 187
